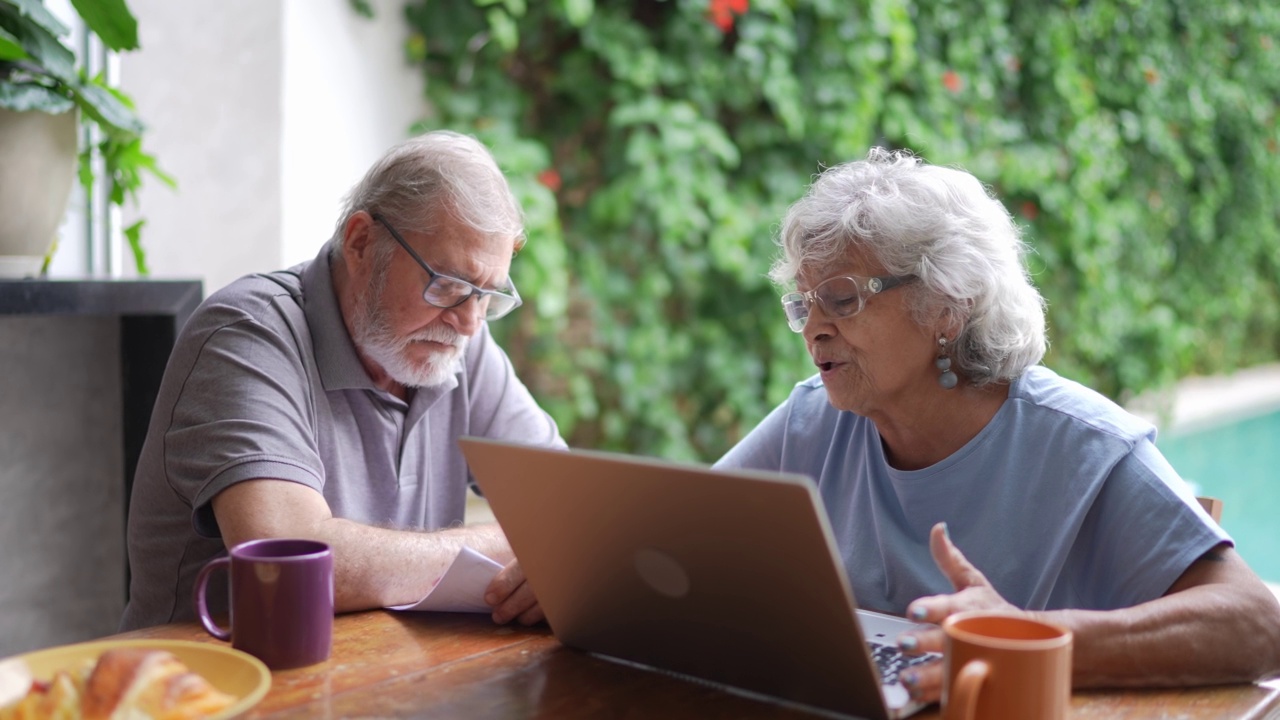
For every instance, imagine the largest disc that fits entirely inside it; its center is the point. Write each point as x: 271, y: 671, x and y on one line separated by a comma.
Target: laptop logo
x: 662, y: 573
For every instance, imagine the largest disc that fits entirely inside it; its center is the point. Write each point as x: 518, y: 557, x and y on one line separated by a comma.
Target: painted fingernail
x: 946, y: 531
x: 918, y: 613
x: 908, y: 643
x: 910, y: 678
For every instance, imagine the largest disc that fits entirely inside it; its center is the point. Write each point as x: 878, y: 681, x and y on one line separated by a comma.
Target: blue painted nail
x: 946, y: 531
x: 910, y: 678
x: 908, y: 643
x: 918, y: 613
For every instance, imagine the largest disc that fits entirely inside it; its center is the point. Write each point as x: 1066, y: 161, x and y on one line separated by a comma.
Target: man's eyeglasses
x: 840, y: 297
x: 444, y: 291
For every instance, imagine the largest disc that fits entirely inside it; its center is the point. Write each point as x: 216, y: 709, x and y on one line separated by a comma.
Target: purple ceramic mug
x: 281, y: 601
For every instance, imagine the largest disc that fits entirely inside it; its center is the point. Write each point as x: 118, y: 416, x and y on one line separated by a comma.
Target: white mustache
x: 439, y: 334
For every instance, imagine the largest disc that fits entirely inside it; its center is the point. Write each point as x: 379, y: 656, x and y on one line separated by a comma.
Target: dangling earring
x: 947, y: 379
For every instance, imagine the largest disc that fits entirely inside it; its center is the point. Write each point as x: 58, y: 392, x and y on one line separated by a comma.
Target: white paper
x: 461, y: 588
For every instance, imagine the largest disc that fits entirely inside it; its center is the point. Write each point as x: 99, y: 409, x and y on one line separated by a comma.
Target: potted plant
x: 44, y: 98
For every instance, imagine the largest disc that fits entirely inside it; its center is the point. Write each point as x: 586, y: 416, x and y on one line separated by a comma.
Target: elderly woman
x: 931, y: 429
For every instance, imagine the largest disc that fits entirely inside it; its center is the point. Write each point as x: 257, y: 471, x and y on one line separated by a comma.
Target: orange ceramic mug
x: 1004, y: 666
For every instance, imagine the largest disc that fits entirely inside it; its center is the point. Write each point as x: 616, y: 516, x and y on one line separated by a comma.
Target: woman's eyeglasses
x: 840, y: 297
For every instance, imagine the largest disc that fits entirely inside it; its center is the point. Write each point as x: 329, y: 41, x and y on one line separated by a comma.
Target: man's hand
x: 973, y: 592
x: 512, y: 598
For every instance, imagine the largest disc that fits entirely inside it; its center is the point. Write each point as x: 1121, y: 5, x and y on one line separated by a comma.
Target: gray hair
x: 941, y: 225
x: 420, y: 180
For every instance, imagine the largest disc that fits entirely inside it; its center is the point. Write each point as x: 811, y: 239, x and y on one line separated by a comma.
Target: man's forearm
x: 376, y: 567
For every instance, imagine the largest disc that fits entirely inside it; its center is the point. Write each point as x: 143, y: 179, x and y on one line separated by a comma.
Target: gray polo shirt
x: 264, y: 382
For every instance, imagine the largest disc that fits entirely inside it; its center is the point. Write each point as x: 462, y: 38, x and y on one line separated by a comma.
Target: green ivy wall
x: 656, y: 144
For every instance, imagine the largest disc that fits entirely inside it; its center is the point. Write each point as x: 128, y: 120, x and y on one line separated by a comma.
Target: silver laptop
x: 728, y: 577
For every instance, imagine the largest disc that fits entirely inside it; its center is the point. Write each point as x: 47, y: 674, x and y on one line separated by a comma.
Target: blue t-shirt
x: 1062, y: 500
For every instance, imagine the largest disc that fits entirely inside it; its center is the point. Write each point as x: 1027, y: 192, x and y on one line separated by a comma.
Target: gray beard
x: 376, y: 341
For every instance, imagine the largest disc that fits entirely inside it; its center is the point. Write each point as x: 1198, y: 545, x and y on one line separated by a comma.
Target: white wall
x: 348, y: 96
x: 207, y: 84
x: 266, y: 111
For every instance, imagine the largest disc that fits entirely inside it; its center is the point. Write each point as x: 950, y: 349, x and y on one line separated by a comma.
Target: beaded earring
x: 948, y: 378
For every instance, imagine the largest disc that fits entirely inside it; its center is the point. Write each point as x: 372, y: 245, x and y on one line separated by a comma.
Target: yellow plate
x: 238, y: 674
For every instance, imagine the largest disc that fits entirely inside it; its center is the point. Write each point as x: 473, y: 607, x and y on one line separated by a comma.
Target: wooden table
x: 440, y: 665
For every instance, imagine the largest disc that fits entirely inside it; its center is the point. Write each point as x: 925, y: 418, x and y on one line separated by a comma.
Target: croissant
x: 58, y: 699
x: 124, y: 684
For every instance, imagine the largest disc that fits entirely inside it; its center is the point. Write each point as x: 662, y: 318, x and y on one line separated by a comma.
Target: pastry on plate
x: 125, y: 683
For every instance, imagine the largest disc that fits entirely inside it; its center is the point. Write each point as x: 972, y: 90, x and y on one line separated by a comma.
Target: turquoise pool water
x: 1238, y: 462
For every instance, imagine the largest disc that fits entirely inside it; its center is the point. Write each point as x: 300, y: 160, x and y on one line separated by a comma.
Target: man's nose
x: 466, y: 318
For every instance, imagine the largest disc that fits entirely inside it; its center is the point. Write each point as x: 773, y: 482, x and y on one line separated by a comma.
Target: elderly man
x: 325, y: 401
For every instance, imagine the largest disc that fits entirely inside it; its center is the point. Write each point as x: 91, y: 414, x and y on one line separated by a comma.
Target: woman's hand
x: 973, y: 592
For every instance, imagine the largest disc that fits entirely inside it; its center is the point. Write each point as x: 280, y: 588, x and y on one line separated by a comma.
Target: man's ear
x: 357, y: 240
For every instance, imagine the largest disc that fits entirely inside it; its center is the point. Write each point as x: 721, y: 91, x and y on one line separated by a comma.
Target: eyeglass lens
x: 840, y: 297
x: 445, y: 291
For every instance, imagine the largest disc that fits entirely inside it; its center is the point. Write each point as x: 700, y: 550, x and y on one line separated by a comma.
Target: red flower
x: 722, y: 12
x: 952, y: 81
x: 1030, y: 210
x: 550, y: 178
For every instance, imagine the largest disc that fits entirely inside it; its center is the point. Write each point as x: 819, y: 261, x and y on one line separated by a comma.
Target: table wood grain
x: 442, y: 665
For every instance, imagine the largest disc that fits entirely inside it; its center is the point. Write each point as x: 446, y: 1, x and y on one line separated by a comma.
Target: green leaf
x: 133, y: 234
x: 84, y: 172
x: 578, y: 12
x: 102, y: 105
x: 49, y: 56
x: 40, y: 15
x: 10, y: 46
x: 30, y: 96
x: 504, y: 29
x: 363, y: 8
x: 111, y: 21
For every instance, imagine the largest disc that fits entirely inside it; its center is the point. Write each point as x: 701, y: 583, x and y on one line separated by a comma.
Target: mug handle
x: 202, y: 607
x: 963, y: 701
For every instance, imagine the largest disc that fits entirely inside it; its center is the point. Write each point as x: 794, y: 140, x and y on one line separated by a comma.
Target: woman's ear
x: 950, y: 321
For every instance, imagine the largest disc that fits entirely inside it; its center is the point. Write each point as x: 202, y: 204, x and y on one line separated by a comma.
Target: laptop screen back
x: 730, y: 577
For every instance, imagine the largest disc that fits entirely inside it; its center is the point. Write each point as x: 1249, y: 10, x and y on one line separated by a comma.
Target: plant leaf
x: 111, y: 21
x: 104, y: 107
x: 30, y: 96
x: 133, y: 234
x: 84, y: 171
x: 40, y: 43
x: 362, y: 8
x: 40, y: 15
x: 10, y: 46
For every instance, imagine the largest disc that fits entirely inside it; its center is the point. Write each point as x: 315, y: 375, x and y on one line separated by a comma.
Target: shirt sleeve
x: 1140, y: 535
x: 245, y: 411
